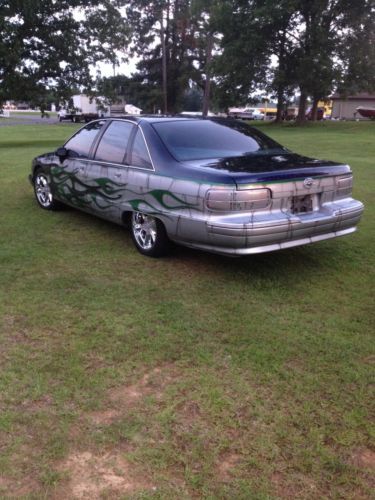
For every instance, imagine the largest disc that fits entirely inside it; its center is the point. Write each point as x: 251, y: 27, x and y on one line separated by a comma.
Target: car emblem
x: 308, y: 182
x: 279, y: 158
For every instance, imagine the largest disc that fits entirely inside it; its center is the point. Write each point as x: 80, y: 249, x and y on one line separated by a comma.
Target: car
x: 245, y: 113
x: 213, y: 184
x: 257, y: 115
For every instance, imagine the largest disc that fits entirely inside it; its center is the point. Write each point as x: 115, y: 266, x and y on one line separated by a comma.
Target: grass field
x: 193, y: 376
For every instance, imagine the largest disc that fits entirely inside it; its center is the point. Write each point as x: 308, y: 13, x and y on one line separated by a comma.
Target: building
x: 346, y: 107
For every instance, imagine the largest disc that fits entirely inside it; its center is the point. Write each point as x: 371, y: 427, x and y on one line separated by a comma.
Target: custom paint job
x: 177, y: 193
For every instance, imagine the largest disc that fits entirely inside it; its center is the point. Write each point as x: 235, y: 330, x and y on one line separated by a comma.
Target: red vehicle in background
x: 366, y: 112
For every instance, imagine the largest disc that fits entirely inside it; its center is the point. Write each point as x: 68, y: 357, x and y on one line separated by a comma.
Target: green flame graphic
x: 103, y: 193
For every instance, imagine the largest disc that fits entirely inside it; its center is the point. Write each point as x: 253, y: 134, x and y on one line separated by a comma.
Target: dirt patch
x: 91, y: 476
x: 14, y: 488
x: 364, y: 458
x: 298, y: 486
x: 226, y: 465
x: 282, y: 489
x: 189, y: 413
x: 369, y: 360
x: 43, y: 403
x: 152, y: 383
x: 104, y: 417
x: 121, y: 398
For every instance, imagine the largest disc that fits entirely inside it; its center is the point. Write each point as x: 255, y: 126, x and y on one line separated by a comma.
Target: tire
x: 149, y: 235
x: 43, y: 193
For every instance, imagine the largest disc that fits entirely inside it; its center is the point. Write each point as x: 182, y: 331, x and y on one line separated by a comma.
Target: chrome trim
x: 120, y: 165
x: 269, y: 248
x: 148, y: 151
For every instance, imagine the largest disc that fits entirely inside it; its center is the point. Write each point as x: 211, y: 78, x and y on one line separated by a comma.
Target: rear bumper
x: 276, y: 231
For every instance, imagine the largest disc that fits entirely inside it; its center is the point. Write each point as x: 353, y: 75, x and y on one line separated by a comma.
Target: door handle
x: 117, y: 175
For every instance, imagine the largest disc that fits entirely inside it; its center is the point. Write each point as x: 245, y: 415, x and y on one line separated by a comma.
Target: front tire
x: 149, y: 235
x: 43, y: 193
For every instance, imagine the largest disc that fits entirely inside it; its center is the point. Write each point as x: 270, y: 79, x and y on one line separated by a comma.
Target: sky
x: 123, y: 69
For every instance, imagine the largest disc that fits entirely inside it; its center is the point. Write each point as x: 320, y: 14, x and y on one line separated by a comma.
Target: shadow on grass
x: 290, y: 267
x: 52, y: 144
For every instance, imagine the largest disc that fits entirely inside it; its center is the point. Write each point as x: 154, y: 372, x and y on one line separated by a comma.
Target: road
x: 28, y: 120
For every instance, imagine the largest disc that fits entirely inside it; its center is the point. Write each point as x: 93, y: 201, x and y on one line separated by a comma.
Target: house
x: 132, y: 110
x: 345, y: 107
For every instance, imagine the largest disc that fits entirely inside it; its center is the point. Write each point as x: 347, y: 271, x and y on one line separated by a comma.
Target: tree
x: 163, y: 37
x: 357, y: 55
x: 243, y: 65
x: 317, y: 44
x: 324, y: 45
x: 133, y: 90
x: 46, y: 44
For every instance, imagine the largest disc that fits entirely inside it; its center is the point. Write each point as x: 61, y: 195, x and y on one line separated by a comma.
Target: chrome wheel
x: 144, y: 229
x: 43, y: 191
x: 149, y: 235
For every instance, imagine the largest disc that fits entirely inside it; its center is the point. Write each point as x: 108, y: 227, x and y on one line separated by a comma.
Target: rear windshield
x: 205, y: 139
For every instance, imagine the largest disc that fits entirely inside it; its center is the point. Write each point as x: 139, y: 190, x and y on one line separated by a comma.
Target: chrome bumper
x: 276, y: 231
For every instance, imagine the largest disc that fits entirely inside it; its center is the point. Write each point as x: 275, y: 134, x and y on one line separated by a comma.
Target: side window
x: 140, y: 156
x: 80, y: 144
x: 113, y: 144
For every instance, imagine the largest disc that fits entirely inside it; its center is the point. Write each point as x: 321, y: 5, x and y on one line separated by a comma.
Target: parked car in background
x: 366, y: 112
x: 257, y: 115
x: 213, y: 184
x: 246, y: 113
x: 319, y: 114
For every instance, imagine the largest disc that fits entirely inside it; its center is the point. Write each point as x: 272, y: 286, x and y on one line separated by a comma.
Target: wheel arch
x: 127, y: 214
x: 36, y: 168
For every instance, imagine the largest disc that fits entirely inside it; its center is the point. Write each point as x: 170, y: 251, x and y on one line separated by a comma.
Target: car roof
x: 155, y: 118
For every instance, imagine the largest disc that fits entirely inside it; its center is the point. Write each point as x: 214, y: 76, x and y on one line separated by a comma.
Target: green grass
x: 189, y: 376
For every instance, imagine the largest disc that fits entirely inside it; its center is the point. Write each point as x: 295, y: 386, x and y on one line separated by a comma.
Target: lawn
x: 192, y: 376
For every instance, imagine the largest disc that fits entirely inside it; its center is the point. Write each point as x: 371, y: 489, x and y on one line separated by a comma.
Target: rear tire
x: 149, y: 235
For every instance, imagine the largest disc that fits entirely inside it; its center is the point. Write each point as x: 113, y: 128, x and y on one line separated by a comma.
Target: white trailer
x: 85, y: 109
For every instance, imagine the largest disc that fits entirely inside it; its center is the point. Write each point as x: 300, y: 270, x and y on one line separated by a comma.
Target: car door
x: 69, y: 178
x: 142, y: 181
x: 108, y: 170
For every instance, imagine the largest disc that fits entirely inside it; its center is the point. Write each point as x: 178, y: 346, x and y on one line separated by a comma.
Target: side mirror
x: 62, y: 153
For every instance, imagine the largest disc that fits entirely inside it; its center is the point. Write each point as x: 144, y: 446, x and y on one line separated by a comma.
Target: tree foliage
x: 316, y: 44
x: 47, y: 43
x: 228, y: 48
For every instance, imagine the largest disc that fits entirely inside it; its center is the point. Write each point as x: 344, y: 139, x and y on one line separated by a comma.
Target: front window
x: 80, y: 144
x: 206, y: 139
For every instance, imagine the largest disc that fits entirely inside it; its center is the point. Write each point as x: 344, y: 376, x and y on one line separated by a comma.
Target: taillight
x: 344, y: 186
x: 229, y: 200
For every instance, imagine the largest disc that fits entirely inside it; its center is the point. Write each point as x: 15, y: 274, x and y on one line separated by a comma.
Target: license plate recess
x: 302, y: 204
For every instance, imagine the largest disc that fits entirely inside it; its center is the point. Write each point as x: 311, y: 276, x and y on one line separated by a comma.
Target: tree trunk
x: 280, y: 104
x: 207, y: 84
x: 164, y: 63
x: 301, y: 117
x: 314, y: 109
x: 281, y: 78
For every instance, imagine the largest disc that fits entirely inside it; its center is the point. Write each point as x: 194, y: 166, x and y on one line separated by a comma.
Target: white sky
x: 123, y: 69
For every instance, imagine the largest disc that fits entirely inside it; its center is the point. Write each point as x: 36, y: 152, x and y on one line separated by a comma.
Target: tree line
x: 219, y: 52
